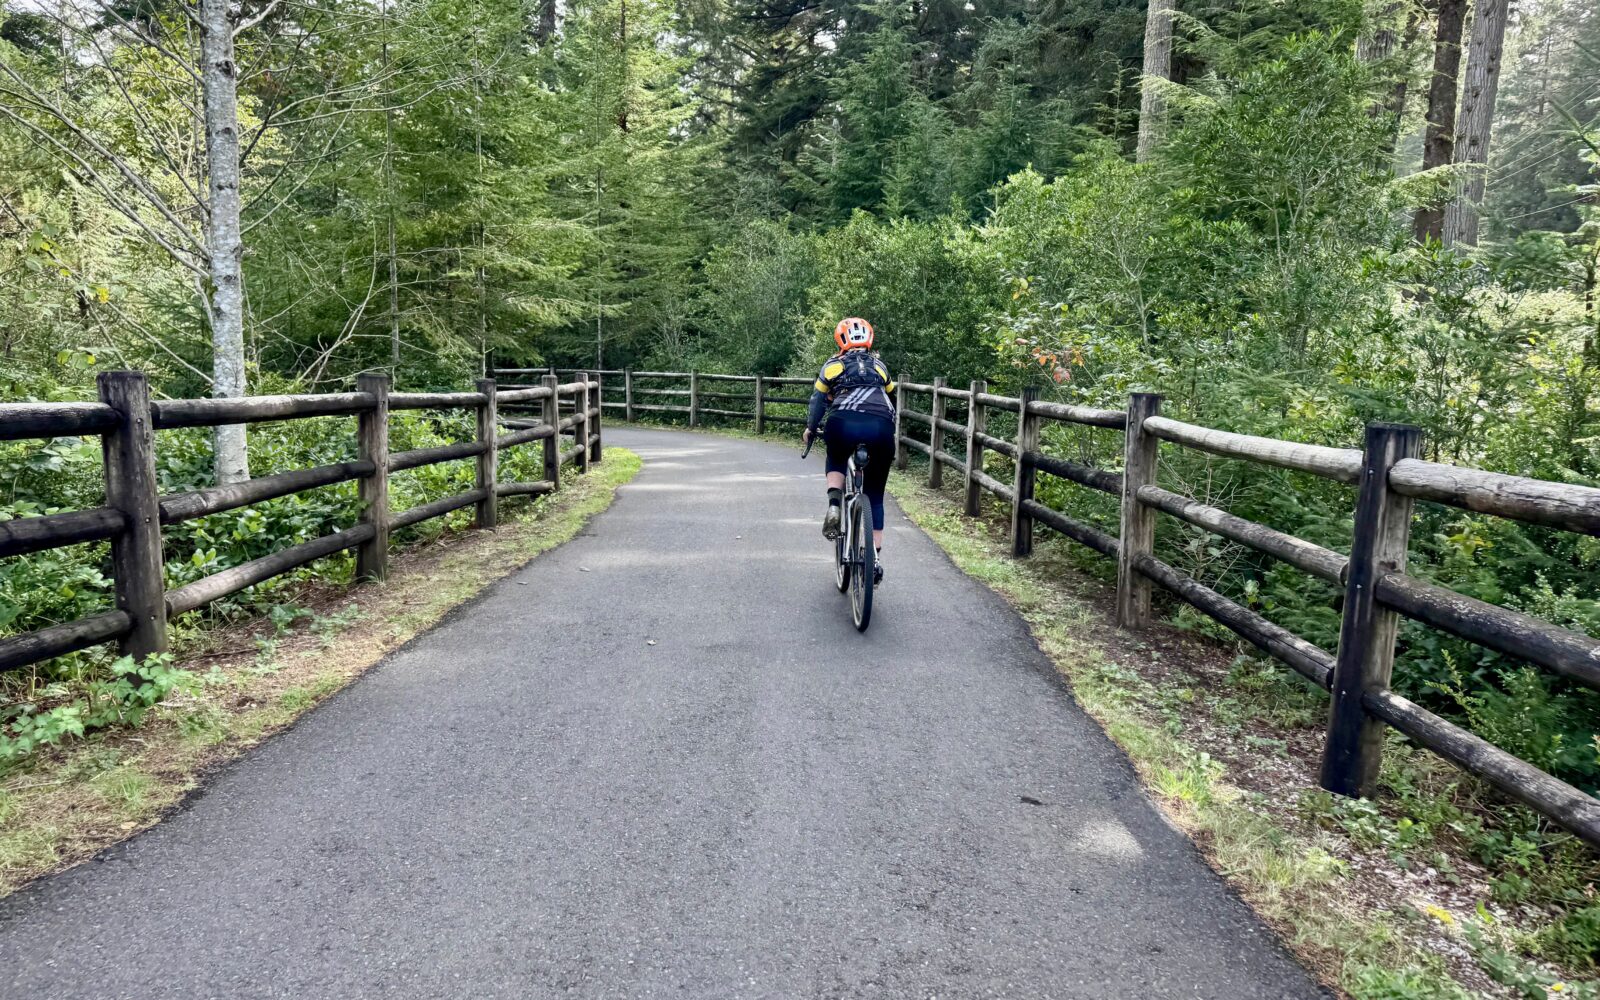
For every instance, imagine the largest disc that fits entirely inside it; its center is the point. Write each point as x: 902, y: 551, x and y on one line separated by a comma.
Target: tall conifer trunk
x: 1474, y: 126
x: 1439, y: 141
x: 1157, y: 66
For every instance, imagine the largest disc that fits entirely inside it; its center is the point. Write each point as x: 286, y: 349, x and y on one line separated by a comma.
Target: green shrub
x: 123, y: 695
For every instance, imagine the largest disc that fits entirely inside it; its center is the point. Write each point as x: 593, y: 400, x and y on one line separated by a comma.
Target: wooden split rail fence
x: 1386, y: 474
x: 1387, y: 477
x: 126, y: 419
x: 687, y: 394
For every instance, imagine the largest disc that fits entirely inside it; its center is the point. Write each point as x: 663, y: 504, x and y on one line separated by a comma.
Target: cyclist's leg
x: 838, y: 457
x: 840, y: 435
x: 879, y: 439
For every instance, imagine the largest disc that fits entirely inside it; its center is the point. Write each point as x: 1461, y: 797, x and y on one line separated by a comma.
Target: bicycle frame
x: 853, y: 569
x: 853, y: 555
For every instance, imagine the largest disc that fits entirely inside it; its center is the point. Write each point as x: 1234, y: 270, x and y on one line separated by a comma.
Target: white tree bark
x: 388, y: 197
x: 1477, y: 117
x: 225, y: 241
x: 1157, y: 66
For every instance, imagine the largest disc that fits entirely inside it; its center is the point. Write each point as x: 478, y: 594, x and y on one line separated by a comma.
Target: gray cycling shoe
x: 877, y: 569
x: 830, y: 523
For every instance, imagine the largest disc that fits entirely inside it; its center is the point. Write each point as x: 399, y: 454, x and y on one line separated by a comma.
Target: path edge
x: 102, y: 828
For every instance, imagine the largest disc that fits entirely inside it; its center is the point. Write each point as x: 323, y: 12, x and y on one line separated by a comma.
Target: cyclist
x: 856, y: 394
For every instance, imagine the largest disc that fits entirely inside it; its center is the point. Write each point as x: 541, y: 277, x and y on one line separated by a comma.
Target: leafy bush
x: 124, y: 695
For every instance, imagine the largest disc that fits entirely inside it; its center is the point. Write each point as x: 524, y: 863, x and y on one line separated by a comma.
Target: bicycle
x: 853, y: 551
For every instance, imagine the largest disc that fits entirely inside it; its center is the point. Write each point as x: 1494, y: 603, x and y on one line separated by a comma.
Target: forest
x: 1290, y: 217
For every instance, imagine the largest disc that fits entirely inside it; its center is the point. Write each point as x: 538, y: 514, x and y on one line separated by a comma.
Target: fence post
x: 597, y: 449
x: 551, y: 415
x: 761, y: 404
x: 129, y: 455
x: 977, y: 423
x: 694, y: 399
x: 488, y: 464
x: 372, y: 432
x: 627, y: 395
x: 1354, y: 746
x: 1137, y: 533
x: 900, y: 423
x: 1024, y: 475
x: 936, y: 437
x: 580, y: 420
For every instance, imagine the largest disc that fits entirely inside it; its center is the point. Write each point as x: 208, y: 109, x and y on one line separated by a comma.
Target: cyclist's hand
x: 805, y: 437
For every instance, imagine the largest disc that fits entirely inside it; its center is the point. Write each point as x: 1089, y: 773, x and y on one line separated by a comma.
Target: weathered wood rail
x: 1388, y: 477
x: 126, y: 419
x: 685, y: 394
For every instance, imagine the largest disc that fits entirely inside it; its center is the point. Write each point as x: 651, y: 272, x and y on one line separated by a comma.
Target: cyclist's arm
x: 817, y: 410
x: 821, y: 395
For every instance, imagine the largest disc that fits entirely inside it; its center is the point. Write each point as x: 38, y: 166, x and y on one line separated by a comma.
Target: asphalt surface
x: 659, y: 762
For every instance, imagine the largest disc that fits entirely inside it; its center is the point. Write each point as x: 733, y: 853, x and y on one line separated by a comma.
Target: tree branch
x: 140, y: 184
x: 100, y: 183
x: 251, y: 22
x: 111, y: 11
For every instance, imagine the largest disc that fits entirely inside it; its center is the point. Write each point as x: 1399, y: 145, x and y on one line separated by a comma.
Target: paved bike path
x: 533, y: 800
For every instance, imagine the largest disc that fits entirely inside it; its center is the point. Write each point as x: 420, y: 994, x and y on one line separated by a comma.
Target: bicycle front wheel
x: 861, y: 565
x: 841, y: 559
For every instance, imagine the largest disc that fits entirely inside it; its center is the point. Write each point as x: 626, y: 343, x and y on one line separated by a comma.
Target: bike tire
x: 862, y: 566
x: 841, y: 560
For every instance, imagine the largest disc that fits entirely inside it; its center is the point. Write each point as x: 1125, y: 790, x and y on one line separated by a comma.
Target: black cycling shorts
x: 847, y: 428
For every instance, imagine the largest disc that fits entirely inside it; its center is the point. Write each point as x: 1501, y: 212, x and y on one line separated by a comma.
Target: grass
x: 69, y: 802
x: 1228, y: 752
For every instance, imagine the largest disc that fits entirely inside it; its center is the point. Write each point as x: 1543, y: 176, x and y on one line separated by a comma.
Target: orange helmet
x: 853, y: 334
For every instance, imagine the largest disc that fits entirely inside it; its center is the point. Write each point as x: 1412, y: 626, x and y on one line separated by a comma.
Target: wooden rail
x: 126, y: 419
x: 1378, y: 592
x: 669, y: 395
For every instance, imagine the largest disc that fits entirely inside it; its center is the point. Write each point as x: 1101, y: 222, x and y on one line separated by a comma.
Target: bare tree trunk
x: 1402, y: 85
x: 1157, y: 65
x: 394, y: 267
x: 1380, y: 46
x: 1439, y: 142
x: 388, y: 195
x: 1477, y: 118
x: 480, y: 236
x: 224, y: 240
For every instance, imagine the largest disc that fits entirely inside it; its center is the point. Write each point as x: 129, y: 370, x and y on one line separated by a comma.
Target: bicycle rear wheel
x: 861, y: 564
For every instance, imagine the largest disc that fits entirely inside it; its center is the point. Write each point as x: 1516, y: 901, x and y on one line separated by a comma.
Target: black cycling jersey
x: 855, y: 381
